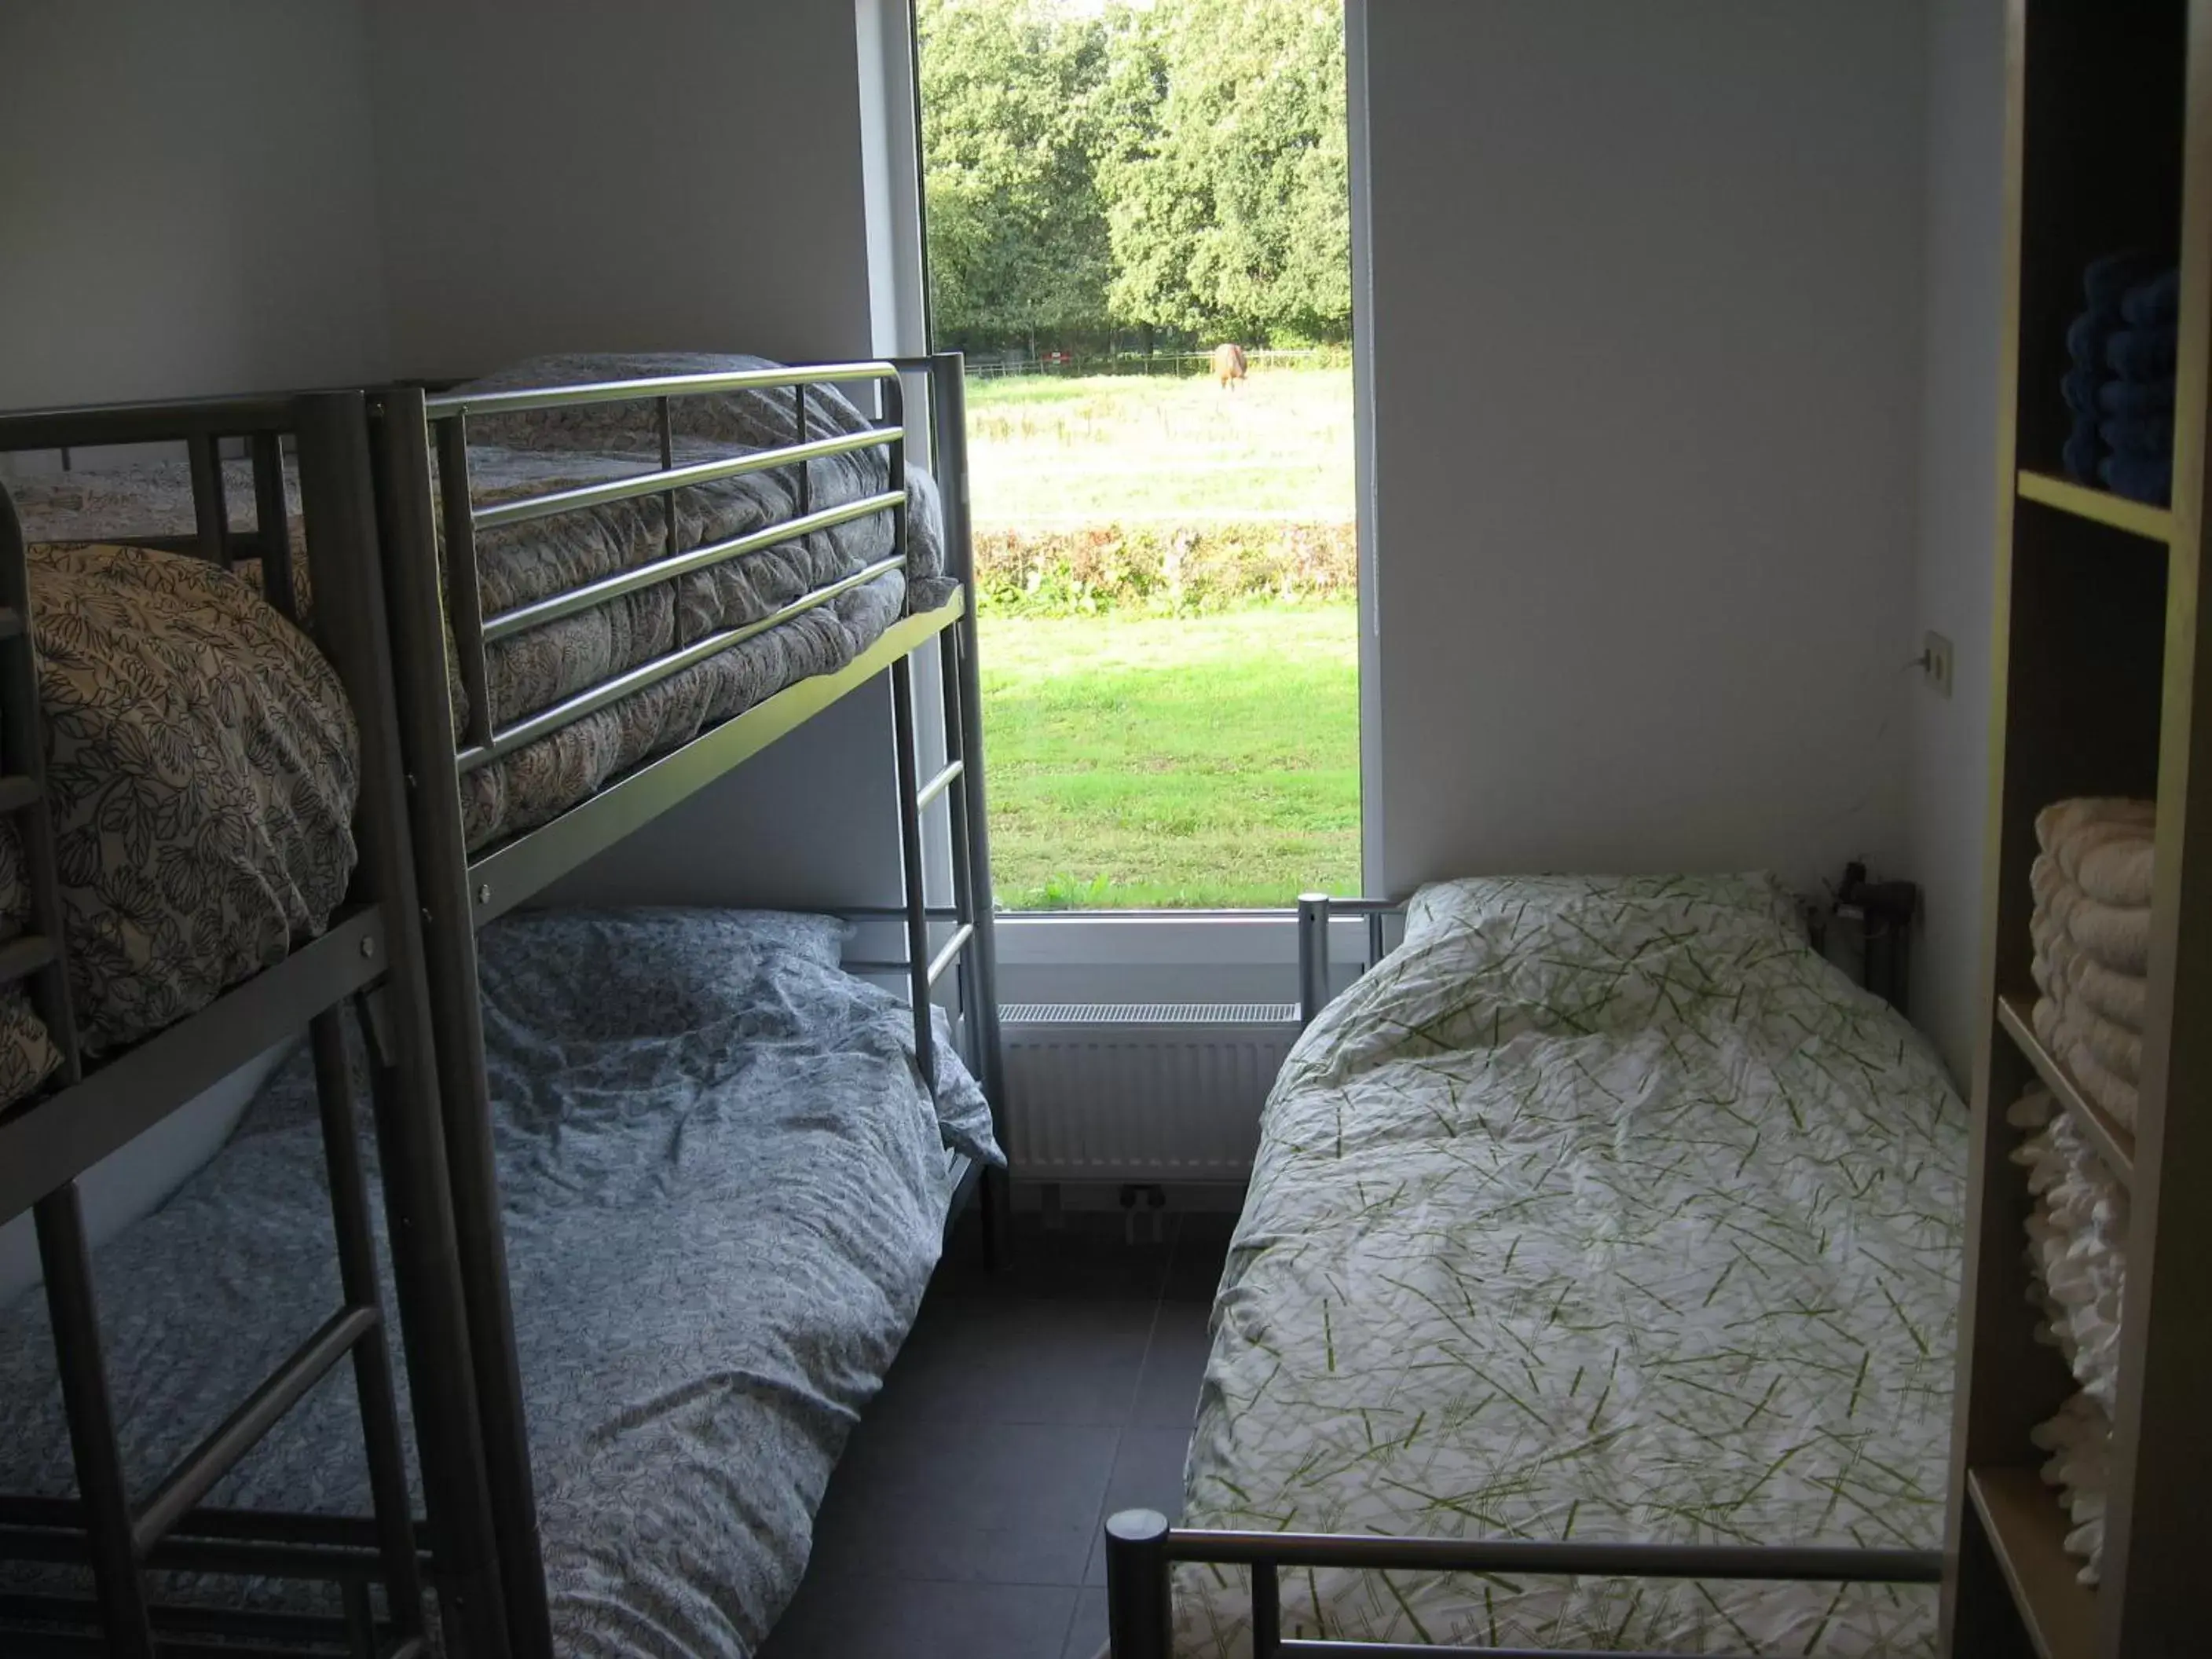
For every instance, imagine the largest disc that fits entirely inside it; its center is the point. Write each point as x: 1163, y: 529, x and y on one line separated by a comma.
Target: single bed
x: 1600, y: 1210
x: 726, y: 1187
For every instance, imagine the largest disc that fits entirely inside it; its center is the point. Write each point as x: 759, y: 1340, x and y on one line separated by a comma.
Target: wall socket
x: 1936, y: 663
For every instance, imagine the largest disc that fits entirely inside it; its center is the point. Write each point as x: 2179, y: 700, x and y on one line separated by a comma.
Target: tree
x: 1019, y: 245
x: 1223, y: 164
x: 1178, y: 165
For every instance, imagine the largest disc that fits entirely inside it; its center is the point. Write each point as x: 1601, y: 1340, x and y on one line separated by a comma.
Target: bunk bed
x: 205, y: 851
x: 1594, y: 1292
x: 614, y: 580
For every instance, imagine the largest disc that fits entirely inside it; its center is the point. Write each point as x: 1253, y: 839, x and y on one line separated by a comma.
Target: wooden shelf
x: 2114, y: 1144
x: 2027, y: 1533
x: 2114, y: 512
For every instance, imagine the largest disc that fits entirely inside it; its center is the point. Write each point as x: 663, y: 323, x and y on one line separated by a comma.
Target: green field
x: 1160, y: 761
x: 1047, y: 453
x: 1181, y: 761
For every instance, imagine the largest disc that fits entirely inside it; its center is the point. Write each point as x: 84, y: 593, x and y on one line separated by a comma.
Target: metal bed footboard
x: 1142, y: 1549
x: 370, y: 955
x: 462, y: 890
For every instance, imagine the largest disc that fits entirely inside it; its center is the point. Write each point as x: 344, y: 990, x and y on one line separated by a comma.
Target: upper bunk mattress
x: 1605, y: 1210
x: 202, y: 767
x: 537, y: 452
x: 723, y: 1184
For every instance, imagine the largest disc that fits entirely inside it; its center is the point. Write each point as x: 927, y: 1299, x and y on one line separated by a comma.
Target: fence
x: 992, y: 366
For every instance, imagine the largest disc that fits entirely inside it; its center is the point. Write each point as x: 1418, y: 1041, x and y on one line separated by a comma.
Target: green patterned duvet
x: 1603, y: 1209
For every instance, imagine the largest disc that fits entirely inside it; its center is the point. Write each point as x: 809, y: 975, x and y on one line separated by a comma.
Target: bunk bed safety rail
x: 37, y: 956
x: 446, y: 417
x: 1141, y: 1548
x: 1315, y: 911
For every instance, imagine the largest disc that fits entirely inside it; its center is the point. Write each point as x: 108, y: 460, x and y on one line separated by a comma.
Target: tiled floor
x: 1026, y: 1405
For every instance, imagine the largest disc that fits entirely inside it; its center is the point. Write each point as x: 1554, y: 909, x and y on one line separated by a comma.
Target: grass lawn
x: 1184, y: 762
x: 1047, y: 452
x: 1181, y: 761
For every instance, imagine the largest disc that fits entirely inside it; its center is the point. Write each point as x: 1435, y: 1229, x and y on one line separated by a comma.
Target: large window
x: 1138, y: 230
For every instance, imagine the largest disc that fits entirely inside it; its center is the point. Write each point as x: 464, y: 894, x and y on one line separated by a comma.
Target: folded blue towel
x: 2138, y: 477
x: 2158, y: 300
x: 2106, y: 280
x: 2143, y: 353
x: 2139, y: 435
x: 2083, y: 447
x: 2085, y: 337
x: 2135, y: 397
x: 2081, y: 386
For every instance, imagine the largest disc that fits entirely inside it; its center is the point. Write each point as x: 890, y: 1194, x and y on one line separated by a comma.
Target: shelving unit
x: 2100, y: 631
x: 2114, y: 1144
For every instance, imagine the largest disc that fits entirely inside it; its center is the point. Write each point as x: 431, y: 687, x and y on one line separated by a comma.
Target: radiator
x: 1139, y: 1091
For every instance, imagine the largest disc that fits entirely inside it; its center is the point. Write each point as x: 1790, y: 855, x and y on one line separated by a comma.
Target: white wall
x: 1645, y: 342
x: 1948, y: 783
x: 567, y: 175
x: 572, y: 175
x: 190, y: 199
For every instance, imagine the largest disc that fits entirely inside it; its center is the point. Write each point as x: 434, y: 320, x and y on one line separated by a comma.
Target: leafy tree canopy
x: 1179, y: 165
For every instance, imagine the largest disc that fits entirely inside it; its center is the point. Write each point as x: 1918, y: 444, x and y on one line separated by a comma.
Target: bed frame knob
x: 1137, y: 1602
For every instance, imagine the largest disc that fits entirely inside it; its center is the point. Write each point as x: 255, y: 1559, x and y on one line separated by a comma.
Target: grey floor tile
x: 893, y: 1618
x: 1147, y: 1476
x: 1086, y: 1634
x: 1007, y: 1503
x: 1201, y: 1247
x: 1014, y: 1360
x: 1089, y: 1256
x: 1174, y: 1365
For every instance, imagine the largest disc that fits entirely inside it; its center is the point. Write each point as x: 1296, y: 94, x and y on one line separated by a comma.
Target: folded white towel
x: 2112, y: 1092
x: 2118, y: 938
x: 2110, y: 862
x: 2056, y: 821
x: 2118, y: 1049
x: 2121, y: 997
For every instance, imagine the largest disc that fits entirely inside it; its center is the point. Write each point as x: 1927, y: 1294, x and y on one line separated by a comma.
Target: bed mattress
x: 1602, y: 1209
x: 724, y: 1190
x: 202, y: 765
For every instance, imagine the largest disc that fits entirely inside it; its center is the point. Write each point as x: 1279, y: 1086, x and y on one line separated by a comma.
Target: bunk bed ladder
x: 967, y: 951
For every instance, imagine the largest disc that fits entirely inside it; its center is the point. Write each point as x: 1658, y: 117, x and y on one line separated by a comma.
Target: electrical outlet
x: 1936, y: 663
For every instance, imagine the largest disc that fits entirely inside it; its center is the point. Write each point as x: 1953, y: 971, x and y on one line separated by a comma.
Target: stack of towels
x: 2091, y: 936
x: 2120, y: 387
x: 2077, y: 1258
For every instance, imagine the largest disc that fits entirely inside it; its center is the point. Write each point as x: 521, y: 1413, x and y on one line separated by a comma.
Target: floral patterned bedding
x: 724, y: 1189
x: 202, y: 767
x: 1602, y: 1209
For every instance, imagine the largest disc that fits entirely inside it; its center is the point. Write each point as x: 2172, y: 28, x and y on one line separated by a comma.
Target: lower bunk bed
x: 725, y: 1185
x: 1601, y: 1214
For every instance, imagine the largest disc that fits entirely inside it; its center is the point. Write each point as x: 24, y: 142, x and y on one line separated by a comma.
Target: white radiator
x: 1139, y: 1091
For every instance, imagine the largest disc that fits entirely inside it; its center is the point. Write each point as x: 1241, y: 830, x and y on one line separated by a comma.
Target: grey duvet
x: 724, y: 1194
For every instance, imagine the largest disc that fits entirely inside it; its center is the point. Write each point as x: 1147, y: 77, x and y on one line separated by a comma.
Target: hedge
x: 1162, y: 570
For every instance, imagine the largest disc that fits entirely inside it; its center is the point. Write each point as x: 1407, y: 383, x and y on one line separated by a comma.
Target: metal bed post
x: 66, y: 1260
x: 948, y: 445
x: 371, y: 1366
x: 456, y: 1024
x: 1313, y: 956
x: 335, y: 472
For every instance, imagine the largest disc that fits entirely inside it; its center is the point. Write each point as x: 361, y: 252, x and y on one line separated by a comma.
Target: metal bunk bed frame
x: 462, y: 890
x: 370, y: 954
x: 1142, y: 1548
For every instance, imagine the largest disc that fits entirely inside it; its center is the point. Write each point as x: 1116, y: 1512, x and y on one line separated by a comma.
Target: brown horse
x: 1228, y: 364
